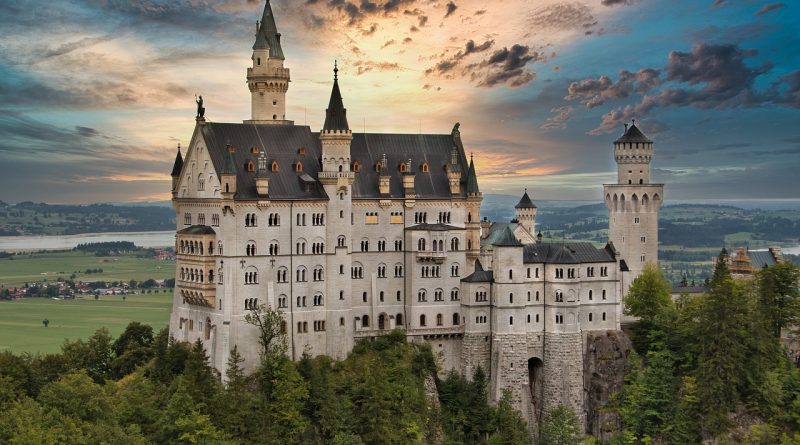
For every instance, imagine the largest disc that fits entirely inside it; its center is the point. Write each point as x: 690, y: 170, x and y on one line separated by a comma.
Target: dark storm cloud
x: 769, y: 7
x: 451, y: 8
x: 595, y: 92
x: 470, y: 47
x: 709, y: 77
x: 507, y: 66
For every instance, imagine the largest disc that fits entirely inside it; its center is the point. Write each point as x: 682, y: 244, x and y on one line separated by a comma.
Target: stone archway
x: 536, y: 387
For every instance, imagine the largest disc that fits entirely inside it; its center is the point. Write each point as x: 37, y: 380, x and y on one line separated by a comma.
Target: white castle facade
x: 354, y: 235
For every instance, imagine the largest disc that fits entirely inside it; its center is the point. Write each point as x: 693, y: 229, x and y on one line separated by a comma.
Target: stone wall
x: 476, y: 350
x: 604, y: 370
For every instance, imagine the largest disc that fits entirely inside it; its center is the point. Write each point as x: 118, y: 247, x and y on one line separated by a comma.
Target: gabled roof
x: 178, y: 166
x: 197, y: 230
x: 268, y: 35
x: 762, y: 259
x: 282, y: 144
x: 336, y: 114
x: 633, y: 134
x: 525, y: 202
x: 566, y: 253
x: 507, y: 239
x: 480, y: 275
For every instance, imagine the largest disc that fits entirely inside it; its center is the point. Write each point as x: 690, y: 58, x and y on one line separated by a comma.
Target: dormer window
x: 356, y: 166
x: 403, y: 167
x: 301, y: 151
x: 425, y: 168
x: 255, y: 150
x: 378, y: 167
x: 298, y: 166
x: 250, y: 166
x: 274, y: 167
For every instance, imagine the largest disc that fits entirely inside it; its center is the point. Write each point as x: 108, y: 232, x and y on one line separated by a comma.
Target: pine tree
x: 560, y: 427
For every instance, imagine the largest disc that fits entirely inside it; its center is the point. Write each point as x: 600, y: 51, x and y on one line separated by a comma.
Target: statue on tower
x: 201, y: 111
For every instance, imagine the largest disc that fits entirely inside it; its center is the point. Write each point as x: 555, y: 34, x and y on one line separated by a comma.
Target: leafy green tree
x: 94, y: 355
x: 685, y: 427
x: 649, y: 294
x: 78, y: 396
x: 271, y: 331
x: 560, y: 427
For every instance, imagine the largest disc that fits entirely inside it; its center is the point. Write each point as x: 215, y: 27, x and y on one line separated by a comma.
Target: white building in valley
x: 352, y: 235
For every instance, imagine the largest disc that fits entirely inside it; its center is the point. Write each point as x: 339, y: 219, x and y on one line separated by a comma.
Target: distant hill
x: 29, y: 218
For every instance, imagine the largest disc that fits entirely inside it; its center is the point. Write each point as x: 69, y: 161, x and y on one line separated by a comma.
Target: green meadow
x: 21, y: 328
x: 38, y: 267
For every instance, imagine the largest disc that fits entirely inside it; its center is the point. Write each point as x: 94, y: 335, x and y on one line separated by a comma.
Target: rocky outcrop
x: 604, y: 371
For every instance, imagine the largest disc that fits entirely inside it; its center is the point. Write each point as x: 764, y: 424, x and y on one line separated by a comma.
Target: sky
x: 96, y: 95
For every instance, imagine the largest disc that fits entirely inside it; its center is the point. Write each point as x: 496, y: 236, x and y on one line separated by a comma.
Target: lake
x: 64, y: 242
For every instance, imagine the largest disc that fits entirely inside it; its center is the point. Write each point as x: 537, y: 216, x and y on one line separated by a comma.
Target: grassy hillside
x: 29, y: 218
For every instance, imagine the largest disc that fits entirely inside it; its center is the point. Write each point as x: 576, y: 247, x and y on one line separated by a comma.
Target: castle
x: 352, y: 235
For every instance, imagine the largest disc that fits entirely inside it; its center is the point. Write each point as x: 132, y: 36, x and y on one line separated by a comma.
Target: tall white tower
x: 267, y: 79
x: 633, y: 203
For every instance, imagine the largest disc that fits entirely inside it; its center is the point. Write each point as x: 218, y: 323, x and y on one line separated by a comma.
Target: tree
x: 723, y: 342
x: 649, y: 294
x: 510, y: 428
x: 271, y: 331
x: 779, y: 296
x: 684, y: 426
x: 560, y: 427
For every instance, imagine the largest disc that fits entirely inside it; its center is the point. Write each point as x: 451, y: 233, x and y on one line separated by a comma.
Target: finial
x: 634, y: 121
x: 335, y: 70
x: 471, y: 155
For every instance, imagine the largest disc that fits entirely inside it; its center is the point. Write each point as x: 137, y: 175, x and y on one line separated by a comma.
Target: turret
x: 454, y: 167
x: 336, y: 135
x: 633, y: 152
x: 176, y: 169
x: 227, y: 176
x: 267, y: 79
x: 472, y: 180
x: 525, y: 213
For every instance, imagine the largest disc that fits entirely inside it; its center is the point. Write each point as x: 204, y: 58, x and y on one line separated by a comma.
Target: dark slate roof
x: 689, y: 289
x: 268, y: 35
x: 566, y: 253
x: 197, y: 230
x: 480, y: 275
x: 495, y: 231
x: 762, y: 259
x: 525, y: 202
x: 633, y: 134
x: 178, y: 166
x: 336, y: 114
x: 507, y: 239
x: 282, y: 144
x: 472, y: 179
x: 434, y: 227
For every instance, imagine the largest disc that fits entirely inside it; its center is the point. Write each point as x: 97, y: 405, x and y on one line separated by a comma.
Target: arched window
x: 356, y: 167
x: 439, y: 320
x: 422, y: 321
x: 398, y: 319
x: 456, y: 319
x: 365, y: 321
x: 425, y: 168
x: 274, y: 167
x: 298, y: 166
x: 454, y: 244
x: 421, y: 245
x: 250, y: 166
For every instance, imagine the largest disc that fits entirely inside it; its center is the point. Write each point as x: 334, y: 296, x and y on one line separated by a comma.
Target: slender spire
x: 268, y: 36
x: 472, y: 178
x: 178, y: 166
x: 525, y: 202
x: 336, y: 114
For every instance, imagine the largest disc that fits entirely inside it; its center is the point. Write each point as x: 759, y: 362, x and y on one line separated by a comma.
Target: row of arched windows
x: 250, y: 220
x: 440, y: 320
x: 196, y: 275
x: 196, y: 247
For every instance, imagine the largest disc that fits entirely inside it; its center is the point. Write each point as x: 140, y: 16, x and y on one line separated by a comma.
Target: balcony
x: 437, y: 257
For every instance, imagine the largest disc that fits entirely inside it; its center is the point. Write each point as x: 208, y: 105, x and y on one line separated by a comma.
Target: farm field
x: 50, y: 266
x: 21, y: 328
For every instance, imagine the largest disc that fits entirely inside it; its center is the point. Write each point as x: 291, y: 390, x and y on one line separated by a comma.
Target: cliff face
x: 604, y: 370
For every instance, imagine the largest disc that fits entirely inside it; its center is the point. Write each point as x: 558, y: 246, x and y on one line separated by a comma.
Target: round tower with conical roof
x: 633, y: 203
x: 267, y: 79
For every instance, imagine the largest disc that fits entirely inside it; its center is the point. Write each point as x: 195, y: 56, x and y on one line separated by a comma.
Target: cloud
x: 616, y: 2
x: 470, y: 48
x: 507, y: 66
x: 369, y: 65
x: 560, y: 119
x: 561, y: 16
x: 451, y: 8
x: 711, y: 76
x: 87, y: 131
x: 769, y: 7
x: 595, y: 92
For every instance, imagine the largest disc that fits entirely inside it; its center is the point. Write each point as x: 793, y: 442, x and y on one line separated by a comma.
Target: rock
x: 604, y: 371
